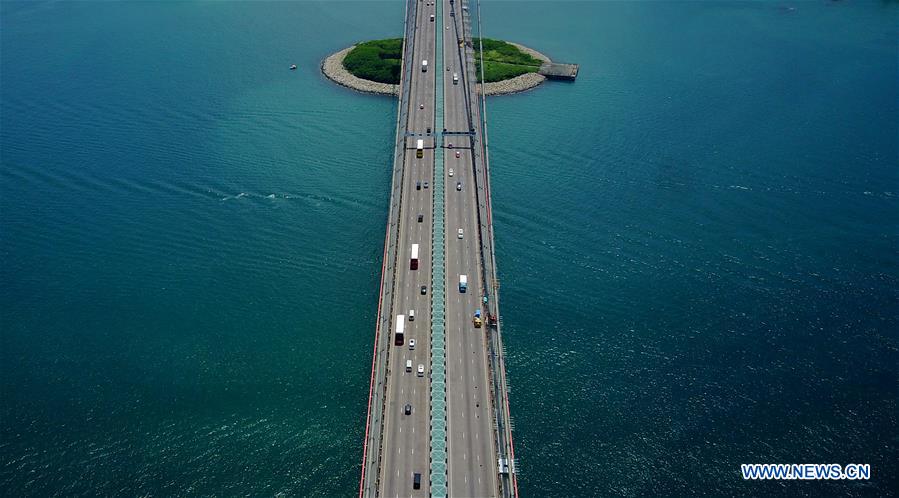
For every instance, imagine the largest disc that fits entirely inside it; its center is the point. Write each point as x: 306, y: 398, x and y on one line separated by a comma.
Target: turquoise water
x: 697, y: 243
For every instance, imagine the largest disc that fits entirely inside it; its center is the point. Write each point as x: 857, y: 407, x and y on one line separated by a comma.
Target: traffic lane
x: 423, y: 168
x: 481, y: 424
x: 455, y: 310
x: 478, y: 420
x: 466, y: 455
x: 407, y: 442
x: 466, y: 475
x: 458, y: 471
x: 419, y: 86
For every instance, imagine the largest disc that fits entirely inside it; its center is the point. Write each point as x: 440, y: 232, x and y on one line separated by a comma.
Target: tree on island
x: 381, y: 60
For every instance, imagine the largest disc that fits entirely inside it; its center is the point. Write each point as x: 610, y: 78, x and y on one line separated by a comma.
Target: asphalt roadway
x: 406, y: 438
x: 471, y: 449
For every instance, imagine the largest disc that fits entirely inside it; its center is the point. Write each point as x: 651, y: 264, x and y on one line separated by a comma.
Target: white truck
x: 463, y: 283
x: 413, y: 262
x: 400, y: 325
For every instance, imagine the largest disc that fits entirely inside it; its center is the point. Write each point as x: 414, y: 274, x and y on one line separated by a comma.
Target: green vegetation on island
x: 377, y: 60
x: 381, y: 60
x: 502, y: 60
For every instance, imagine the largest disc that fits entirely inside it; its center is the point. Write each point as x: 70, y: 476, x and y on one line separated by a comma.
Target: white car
x: 411, y: 343
x: 421, y: 370
x: 461, y: 233
x: 458, y: 154
x: 451, y: 172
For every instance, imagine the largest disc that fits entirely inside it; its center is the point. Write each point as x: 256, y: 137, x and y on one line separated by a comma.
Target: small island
x: 375, y: 66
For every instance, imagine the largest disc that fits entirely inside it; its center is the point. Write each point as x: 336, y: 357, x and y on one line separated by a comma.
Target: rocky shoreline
x: 332, y: 68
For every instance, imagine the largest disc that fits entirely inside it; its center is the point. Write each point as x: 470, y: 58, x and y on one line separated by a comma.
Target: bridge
x: 438, y: 420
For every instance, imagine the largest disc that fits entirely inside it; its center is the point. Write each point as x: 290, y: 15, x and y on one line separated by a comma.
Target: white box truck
x: 400, y: 325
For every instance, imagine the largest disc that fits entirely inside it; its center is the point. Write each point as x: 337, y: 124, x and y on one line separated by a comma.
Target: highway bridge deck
x: 439, y: 410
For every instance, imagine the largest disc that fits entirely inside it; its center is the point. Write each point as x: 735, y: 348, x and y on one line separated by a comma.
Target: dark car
x: 416, y: 481
x: 417, y: 185
x: 459, y: 186
x: 429, y: 130
x: 421, y: 218
x: 424, y: 290
x: 408, y: 409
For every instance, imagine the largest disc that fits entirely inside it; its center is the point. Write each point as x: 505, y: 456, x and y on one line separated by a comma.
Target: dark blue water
x: 697, y: 246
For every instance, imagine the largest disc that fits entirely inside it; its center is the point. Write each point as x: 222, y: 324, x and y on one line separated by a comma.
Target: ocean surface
x: 698, y: 244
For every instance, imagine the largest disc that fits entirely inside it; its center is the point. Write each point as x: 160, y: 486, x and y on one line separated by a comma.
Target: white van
x: 409, y: 366
x: 432, y: 17
x: 455, y: 78
x: 421, y: 370
x: 411, y: 315
x: 461, y: 234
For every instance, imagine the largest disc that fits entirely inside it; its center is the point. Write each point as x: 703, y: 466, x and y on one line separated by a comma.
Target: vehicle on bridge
x: 455, y: 78
x: 419, y: 148
x: 463, y: 283
x: 400, y: 328
x: 424, y: 66
x: 413, y: 264
x: 477, y: 319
